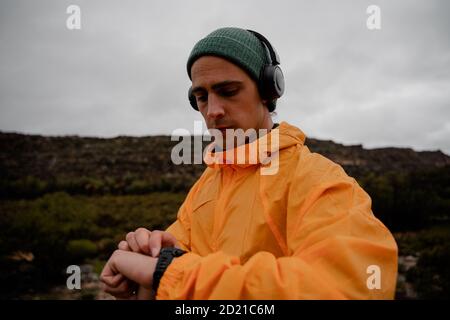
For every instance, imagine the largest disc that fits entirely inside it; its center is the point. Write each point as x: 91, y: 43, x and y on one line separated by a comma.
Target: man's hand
x: 125, y: 268
x: 148, y: 242
x: 140, y: 241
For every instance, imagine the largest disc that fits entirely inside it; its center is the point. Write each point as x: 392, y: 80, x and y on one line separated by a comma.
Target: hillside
x: 116, y: 165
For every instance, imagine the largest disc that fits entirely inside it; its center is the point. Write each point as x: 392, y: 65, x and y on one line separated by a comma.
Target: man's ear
x: 267, y: 104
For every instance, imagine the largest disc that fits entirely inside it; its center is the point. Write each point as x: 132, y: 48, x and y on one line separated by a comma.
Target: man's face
x: 226, y: 96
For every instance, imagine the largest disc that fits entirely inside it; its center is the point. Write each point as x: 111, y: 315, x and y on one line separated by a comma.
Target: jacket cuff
x: 172, y: 277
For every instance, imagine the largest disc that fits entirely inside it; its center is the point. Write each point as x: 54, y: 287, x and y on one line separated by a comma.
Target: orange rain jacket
x: 306, y: 232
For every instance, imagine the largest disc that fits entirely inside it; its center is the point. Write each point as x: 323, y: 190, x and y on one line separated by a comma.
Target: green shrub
x: 81, y: 249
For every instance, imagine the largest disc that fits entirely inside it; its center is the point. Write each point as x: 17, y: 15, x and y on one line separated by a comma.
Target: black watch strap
x: 166, y: 256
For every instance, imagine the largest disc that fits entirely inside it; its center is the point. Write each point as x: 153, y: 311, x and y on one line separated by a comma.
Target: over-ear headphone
x: 271, y: 79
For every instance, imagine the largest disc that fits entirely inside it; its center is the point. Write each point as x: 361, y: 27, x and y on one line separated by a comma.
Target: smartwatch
x: 166, y: 256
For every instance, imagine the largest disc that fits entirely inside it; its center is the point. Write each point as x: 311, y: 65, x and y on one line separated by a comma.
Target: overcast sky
x: 124, y: 72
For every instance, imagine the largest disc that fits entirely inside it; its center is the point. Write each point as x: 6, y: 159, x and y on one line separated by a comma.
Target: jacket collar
x: 258, y: 152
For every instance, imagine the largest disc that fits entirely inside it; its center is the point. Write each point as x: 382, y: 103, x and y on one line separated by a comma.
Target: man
x: 304, y: 232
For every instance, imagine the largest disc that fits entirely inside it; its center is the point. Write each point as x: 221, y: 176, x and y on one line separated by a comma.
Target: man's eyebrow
x: 218, y: 85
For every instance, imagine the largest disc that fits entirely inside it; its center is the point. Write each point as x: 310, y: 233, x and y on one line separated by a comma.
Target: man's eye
x: 202, y: 98
x: 228, y: 93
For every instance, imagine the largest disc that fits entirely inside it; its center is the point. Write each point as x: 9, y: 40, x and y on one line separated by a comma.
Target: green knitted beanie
x: 237, y: 45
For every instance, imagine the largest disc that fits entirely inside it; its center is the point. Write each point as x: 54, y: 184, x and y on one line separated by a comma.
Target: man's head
x: 226, y: 69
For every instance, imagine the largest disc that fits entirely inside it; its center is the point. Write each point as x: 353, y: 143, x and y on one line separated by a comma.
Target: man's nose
x: 215, y: 107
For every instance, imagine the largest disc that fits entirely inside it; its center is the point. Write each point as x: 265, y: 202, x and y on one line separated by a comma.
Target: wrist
x: 135, y: 267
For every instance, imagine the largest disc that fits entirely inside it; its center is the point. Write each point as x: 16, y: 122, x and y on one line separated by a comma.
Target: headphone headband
x: 275, y: 59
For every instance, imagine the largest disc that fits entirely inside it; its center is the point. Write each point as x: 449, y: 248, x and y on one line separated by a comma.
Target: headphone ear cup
x: 192, y: 99
x: 272, y: 83
x: 278, y: 80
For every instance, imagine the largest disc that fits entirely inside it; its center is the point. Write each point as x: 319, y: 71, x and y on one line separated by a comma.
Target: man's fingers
x: 155, y: 243
x: 142, y: 236
x: 147, y: 242
x: 160, y: 239
x: 123, y: 291
x: 112, y: 281
x: 123, y: 245
x: 168, y: 240
x: 109, y: 275
x: 132, y: 241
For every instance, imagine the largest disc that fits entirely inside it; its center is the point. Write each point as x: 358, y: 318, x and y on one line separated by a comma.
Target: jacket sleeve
x: 336, y: 248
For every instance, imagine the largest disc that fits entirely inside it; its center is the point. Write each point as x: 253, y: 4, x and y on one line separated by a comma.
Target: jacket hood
x: 259, y: 152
